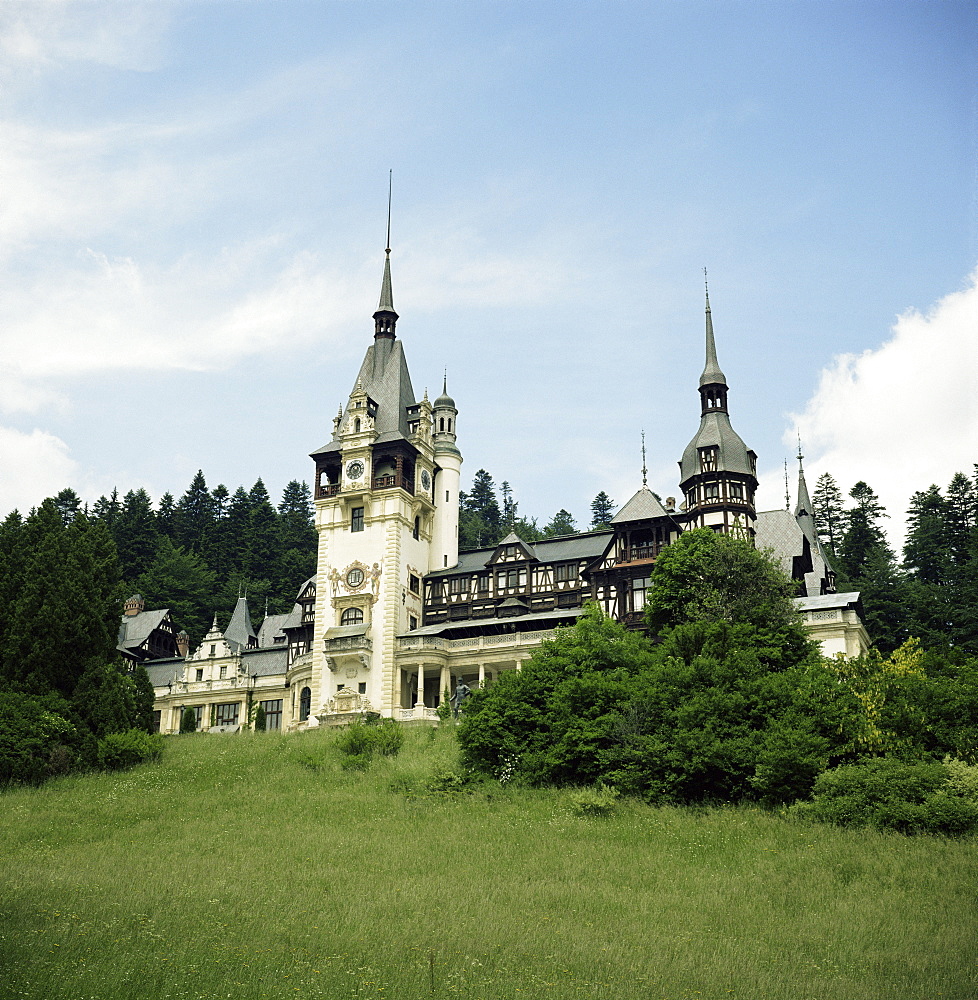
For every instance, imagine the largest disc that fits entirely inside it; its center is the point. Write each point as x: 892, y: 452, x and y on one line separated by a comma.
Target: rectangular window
x: 356, y: 519
x: 483, y: 583
x: 414, y: 582
x: 458, y: 585
x: 226, y: 715
x: 224, y: 672
x: 711, y: 491
x: 273, y: 713
x: 736, y: 491
x: 362, y: 687
x: 200, y: 673
x: 412, y: 623
x: 566, y: 571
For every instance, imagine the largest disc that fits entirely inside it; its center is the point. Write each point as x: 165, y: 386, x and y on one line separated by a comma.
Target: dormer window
x: 708, y: 459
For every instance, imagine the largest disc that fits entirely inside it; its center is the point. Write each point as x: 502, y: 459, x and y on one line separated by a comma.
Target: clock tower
x: 380, y: 500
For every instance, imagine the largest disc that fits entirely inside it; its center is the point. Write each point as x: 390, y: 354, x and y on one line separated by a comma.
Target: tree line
x: 932, y: 592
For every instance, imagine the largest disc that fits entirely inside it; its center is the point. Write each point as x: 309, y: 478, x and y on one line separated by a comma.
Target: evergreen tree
x: 926, y: 555
x: 194, y: 517
x: 69, y: 504
x: 104, y: 698
x: 863, y: 532
x: 166, y: 516
x: 508, y: 513
x: 297, y: 542
x: 238, y: 526
x: 828, y: 512
x: 219, y: 547
x: 106, y: 509
x: 602, y: 511
x: 135, y: 533
x: 143, y: 698
x: 13, y: 556
x: 181, y: 581
x: 562, y: 523
x: 262, y: 534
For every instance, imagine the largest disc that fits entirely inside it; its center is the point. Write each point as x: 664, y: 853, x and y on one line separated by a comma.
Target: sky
x: 193, y: 211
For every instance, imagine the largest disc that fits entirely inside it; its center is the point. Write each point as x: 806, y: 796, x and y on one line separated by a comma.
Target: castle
x: 396, y: 616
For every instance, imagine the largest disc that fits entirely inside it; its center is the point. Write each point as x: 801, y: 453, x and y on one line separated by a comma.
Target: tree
x: 194, y: 516
x: 104, y: 699
x: 69, y: 504
x: 135, y: 533
x: 562, y: 523
x: 602, y: 510
x: 182, y: 582
x: 480, y: 520
x: 260, y: 720
x: 863, y: 532
x: 709, y: 577
x: 188, y: 721
x: 143, y: 697
x: 828, y: 512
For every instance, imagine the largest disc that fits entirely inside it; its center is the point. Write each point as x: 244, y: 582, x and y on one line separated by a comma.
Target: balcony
x: 408, y: 642
x: 346, y: 642
x: 393, y: 482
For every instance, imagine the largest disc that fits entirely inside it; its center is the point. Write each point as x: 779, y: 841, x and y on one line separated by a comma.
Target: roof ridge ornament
x: 711, y: 370
x: 645, y: 471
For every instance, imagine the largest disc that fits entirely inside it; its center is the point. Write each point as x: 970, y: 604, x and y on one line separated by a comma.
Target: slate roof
x: 240, y: 632
x: 163, y: 672
x: 711, y: 370
x: 274, y: 625
x: 780, y: 531
x: 587, y: 545
x: 716, y: 431
x: 136, y: 629
x: 265, y: 662
x: 641, y: 506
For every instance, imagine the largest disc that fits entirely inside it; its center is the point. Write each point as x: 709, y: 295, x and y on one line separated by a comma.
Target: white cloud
x: 37, y: 466
x: 902, y: 416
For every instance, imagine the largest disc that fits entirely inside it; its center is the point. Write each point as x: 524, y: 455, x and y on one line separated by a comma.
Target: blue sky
x: 192, y: 233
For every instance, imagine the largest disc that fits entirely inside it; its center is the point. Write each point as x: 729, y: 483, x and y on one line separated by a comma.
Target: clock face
x: 425, y: 480
x: 354, y: 469
x: 354, y: 578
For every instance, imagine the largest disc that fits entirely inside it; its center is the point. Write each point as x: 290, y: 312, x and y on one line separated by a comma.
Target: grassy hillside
x: 255, y: 866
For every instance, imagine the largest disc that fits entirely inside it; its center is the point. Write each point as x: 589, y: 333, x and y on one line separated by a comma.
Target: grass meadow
x: 254, y: 866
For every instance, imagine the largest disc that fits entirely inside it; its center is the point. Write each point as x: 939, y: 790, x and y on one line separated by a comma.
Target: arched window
x: 449, y: 425
x: 356, y: 426
x: 305, y: 704
x: 352, y: 616
x: 417, y: 527
x: 441, y: 423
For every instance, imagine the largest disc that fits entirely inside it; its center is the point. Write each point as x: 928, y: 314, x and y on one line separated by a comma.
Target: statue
x: 462, y: 691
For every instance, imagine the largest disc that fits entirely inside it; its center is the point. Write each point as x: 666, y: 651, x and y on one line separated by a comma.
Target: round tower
x: 448, y: 479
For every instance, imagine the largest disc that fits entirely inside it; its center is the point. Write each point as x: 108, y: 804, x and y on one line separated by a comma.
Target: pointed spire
x: 711, y: 370
x: 385, y: 318
x: 804, y: 507
x: 645, y: 471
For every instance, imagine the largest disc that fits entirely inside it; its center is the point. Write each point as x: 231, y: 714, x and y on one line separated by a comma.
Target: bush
x: 364, y: 739
x: 891, y: 794
x: 260, y: 721
x: 598, y: 801
x: 117, y: 751
x: 188, y: 721
x: 36, y: 742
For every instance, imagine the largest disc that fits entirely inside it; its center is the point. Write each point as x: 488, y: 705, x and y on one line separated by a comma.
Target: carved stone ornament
x: 355, y: 577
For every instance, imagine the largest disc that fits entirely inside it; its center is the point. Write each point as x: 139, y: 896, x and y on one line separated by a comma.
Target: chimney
x: 183, y: 644
x: 133, y: 606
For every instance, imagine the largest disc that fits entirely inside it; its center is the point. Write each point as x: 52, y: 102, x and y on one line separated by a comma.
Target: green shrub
x: 445, y: 781
x: 962, y: 779
x: 356, y: 761
x: 597, y: 801
x: 260, y: 720
x: 36, y: 742
x: 891, y: 794
x: 188, y: 721
x: 388, y: 738
x: 117, y: 751
x: 364, y: 739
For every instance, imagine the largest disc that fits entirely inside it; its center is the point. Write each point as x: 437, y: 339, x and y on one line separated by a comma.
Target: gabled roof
x: 512, y: 539
x: 826, y: 602
x: 136, y: 629
x: 586, y: 545
x: 274, y: 625
x: 642, y: 506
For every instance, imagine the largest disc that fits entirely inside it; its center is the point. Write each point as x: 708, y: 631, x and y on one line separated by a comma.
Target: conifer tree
x: 135, y: 533
x: 828, y: 511
x: 181, y: 581
x: 195, y: 516
x: 562, y: 523
x: 166, y: 516
x: 602, y: 510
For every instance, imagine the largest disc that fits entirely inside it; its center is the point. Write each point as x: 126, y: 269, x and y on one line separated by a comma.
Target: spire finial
x: 390, y: 191
x: 711, y: 370
x: 800, y: 456
x: 444, y: 384
x: 645, y: 471
x: 787, y: 496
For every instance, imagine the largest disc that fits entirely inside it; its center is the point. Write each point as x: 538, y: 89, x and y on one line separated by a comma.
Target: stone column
x: 482, y: 676
x: 419, y: 703
x: 444, y: 681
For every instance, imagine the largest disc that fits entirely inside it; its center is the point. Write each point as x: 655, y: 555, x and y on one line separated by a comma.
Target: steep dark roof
x: 642, y: 505
x: 136, y: 629
x: 240, y: 633
x: 586, y: 545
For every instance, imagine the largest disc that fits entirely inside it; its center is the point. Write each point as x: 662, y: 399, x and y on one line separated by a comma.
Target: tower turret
x: 448, y: 476
x: 718, y: 472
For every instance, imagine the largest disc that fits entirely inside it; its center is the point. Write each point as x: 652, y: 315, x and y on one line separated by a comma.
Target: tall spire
x: 385, y: 319
x: 804, y: 506
x: 711, y: 370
